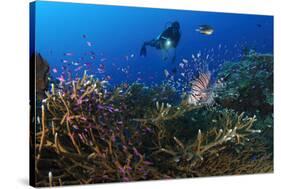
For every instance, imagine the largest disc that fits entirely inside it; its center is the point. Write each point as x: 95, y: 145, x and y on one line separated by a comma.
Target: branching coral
x: 235, y: 128
x: 165, y: 111
x: 90, y: 134
x: 86, y: 139
x: 247, y: 86
x: 255, y: 157
x: 182, y: 156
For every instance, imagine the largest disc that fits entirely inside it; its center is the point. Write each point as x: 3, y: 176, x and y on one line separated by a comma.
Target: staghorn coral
x: 81, y: 142
x: 255, y: 157
x: 248, y: 87
x: 166, y: 111
x: 183, y: 156
x: 90, y: 134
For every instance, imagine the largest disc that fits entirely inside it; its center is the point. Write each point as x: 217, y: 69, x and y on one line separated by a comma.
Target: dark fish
x: 205, y: 29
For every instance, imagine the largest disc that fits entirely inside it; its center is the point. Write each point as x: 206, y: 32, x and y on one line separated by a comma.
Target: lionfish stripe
x: 196, y: 94
x: 196, y: 98
x: 206, y: 78
x: 203, y: 81
x: 199, y: 80
x: 195, y: 87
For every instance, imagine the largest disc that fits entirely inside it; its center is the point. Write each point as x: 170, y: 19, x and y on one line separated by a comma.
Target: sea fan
x: 201, y: 92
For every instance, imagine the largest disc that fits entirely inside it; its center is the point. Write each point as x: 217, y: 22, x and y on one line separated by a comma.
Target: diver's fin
x: 143, y: 50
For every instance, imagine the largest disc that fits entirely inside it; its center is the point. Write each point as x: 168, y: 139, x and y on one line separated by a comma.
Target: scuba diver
x: 168, y: 39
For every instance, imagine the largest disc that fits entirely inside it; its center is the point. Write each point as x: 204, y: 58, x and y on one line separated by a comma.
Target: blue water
x: 117, y: 33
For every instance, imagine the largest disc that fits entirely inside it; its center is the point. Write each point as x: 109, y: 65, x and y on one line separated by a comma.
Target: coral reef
x: 90, y: 133
x: 85, y: 139
x: 249, y: 84
x: 174, y: 154
x: 248, y: 87
x: 42, y: 70
x: 250, y: 159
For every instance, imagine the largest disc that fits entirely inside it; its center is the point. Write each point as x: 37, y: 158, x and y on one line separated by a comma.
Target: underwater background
x: 117, y: 33
x: 106, y: 114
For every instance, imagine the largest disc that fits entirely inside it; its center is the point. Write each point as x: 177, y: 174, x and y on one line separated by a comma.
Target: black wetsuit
x: 171, y: 33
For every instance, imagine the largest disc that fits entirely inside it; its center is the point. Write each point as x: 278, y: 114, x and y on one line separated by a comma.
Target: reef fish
x: 61, y: 78
x: 64, y: 61
x: 89, y: 43
x: 101, y: 68
x: 181, y: 65
x: 68, y: 54
x: 205, y: 29
x: 103, y: 59
x: 166, y: 73
x: 184, y: 60
x: 201, y: 92
x: 78, y: 68
x: 55, y: 70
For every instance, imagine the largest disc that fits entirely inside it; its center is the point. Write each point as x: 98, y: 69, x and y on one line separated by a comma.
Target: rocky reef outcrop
x: 42, y: 70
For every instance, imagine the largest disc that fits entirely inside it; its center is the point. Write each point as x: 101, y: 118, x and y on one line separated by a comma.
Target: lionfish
x: 201, y: 92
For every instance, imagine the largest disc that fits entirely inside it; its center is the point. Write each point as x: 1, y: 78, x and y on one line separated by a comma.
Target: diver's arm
x: 166, y: 34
